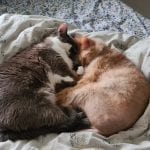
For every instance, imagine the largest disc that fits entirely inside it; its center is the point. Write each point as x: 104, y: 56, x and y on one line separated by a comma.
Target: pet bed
x: 17, y: 32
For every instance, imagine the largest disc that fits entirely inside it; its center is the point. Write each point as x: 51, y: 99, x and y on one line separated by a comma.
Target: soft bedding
x: 92, y: 15
x: 17, y: 32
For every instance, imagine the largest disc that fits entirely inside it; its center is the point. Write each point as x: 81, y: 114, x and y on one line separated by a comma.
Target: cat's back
x: 20, y: 78
x: 21, y: 68
x: 117, y: 75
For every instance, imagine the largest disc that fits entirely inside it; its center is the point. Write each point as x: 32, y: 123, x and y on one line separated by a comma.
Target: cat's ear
x: 65, y: 37
x: 86, y: 43
x: 62, y: 30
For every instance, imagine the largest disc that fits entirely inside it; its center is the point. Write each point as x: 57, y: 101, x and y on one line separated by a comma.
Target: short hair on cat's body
x: 112, y: 91
x: 28, y: 84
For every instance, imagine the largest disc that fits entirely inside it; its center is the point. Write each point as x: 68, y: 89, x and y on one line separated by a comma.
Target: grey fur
x: 25, y: 111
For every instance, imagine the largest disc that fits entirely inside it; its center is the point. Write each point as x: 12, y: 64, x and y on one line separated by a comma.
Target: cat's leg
x: 65, y: 97
x: 62, y: 80
x: 65, y: 82
x: 62, y: 98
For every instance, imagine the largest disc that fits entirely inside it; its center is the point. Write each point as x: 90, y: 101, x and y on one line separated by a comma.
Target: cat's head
x: 69, y: 44
x: 65, y: 45
x: 88, y: 49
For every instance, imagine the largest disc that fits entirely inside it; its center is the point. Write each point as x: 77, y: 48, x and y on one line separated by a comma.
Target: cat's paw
x: 79, y: 121
x: 3, y: 137
x: 81, y: 115
x: 80, y: 71
x: 76, y: 121
x: 69, y: 82
x: 85, y: 124
x: 73, y: 114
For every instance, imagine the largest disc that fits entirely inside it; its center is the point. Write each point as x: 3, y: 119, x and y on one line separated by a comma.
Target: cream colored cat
x: 112, y: 92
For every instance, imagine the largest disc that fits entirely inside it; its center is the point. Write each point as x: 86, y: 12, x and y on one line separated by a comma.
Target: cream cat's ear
x: 86, y: 43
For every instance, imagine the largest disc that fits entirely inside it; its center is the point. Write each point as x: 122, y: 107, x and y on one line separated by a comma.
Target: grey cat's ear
x: 62, y: 30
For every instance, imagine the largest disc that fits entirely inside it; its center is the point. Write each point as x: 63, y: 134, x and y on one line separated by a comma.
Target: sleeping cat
x: 28, y: 83
x: 112, y: 92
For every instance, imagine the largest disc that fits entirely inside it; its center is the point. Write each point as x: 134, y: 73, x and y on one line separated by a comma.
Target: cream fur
x: 112, y: 92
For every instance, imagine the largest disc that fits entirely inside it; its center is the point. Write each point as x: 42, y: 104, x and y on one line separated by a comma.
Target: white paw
x: 80, y: 70
x: 68, y: 79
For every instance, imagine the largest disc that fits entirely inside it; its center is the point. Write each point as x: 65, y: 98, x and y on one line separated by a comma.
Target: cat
x: 112, y: 91
x: 28, y: 85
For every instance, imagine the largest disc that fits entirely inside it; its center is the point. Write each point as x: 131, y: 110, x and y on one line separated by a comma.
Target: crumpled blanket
x: 17, y: 32
x: 92, y: 15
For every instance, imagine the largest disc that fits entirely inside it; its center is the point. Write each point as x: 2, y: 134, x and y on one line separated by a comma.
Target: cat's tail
x: 33, y: 133
x: 22, y: 135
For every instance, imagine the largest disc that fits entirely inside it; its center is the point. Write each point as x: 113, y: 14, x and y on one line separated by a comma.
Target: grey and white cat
x: 28, y: 82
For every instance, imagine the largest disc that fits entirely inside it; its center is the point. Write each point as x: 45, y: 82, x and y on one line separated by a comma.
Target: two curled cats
x: 112, y: 92
x: 40, y: 90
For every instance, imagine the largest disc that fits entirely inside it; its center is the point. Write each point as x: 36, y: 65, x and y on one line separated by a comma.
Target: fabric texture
x: 92, y: 15
x: 17, y: 32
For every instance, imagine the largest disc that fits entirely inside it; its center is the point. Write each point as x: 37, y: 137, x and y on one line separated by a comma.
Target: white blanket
x: 18, y: 32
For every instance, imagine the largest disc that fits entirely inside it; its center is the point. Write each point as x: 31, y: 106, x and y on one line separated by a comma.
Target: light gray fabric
x: 18, y: 32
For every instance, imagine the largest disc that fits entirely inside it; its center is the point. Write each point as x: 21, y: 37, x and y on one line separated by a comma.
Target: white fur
x: 49, y: 92
x: 56, y: 78
x: 68, y: 79
x: 80, y: 70
x: 61, y: 48
x: 53, y: 80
